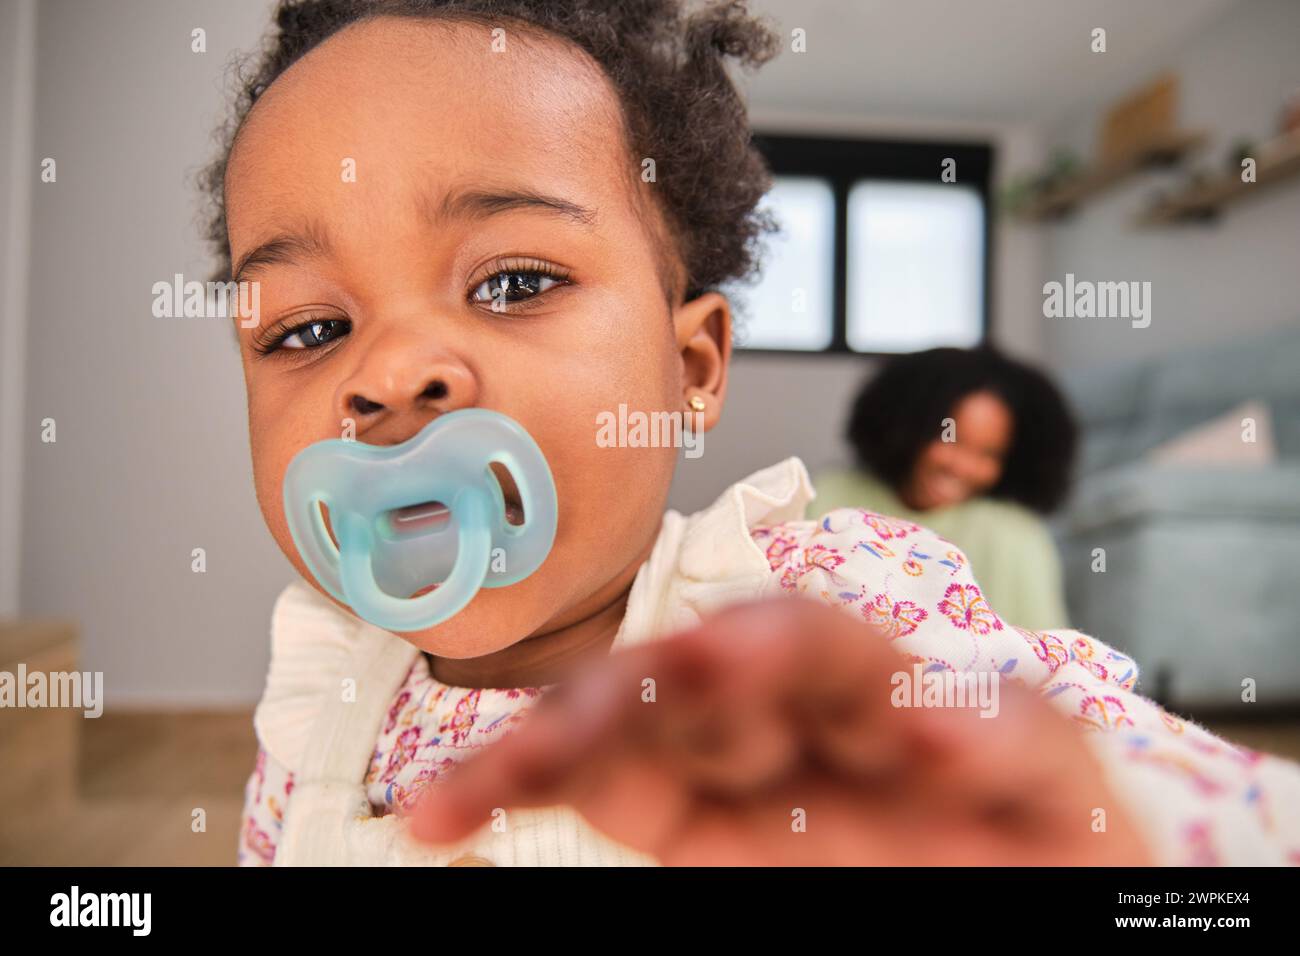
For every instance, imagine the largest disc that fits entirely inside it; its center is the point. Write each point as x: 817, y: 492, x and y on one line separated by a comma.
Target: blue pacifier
x: 394, y: 540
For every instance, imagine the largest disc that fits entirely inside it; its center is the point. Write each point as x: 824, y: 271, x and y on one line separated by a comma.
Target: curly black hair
x: 901, y: 409
x: 668, y: 68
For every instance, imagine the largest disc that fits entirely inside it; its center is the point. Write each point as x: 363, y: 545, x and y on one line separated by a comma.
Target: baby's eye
x: 313, y: 335
x: 514, y: 286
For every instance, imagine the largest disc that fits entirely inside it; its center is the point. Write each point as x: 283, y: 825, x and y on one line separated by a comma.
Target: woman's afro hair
x: 901, y: 409
x: 668, y: 68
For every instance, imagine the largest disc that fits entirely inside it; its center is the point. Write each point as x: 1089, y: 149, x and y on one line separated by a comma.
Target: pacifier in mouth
x: 422, y: 525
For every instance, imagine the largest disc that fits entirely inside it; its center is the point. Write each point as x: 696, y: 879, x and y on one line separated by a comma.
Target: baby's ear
x: 702, y: 328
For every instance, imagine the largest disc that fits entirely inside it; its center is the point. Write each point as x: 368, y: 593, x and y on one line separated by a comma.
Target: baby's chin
x: 492, y: 621
x: 469, y: 634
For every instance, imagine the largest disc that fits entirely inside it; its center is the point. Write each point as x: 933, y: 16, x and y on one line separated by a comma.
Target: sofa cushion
x: 1191, y: 387
x: 1221, y: 441
x: 1107, y: 401
x: 1141, y: 492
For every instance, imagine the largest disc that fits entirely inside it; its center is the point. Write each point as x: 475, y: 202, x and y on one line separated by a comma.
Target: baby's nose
x: 436, y: 390
x: 402, y: 391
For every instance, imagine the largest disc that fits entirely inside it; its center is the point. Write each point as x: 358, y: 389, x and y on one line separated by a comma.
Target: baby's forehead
x: 436, y: 101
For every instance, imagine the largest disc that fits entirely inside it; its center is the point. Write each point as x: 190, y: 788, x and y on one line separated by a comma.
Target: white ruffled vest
x: 699, y: 563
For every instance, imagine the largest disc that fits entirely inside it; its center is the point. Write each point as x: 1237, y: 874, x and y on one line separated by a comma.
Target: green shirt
x: 1010, y: 550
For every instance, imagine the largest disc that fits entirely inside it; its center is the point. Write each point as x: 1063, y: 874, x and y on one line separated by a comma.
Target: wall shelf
x: 1160, y: 149
x: 1276, y: 160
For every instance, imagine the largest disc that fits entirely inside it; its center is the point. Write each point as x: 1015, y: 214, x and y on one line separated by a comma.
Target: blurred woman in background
x: 978, y: 448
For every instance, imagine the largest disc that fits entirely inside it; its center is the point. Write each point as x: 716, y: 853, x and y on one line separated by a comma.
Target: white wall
x: 1209, y: 282
x: 17, y: 174
x: 151, y: 455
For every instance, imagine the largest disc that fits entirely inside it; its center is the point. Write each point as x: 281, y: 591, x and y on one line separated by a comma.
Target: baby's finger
x: 783, y: 665
x: 1010, y: 766
x: 569, y: 739
x: 538, y: 764
x: 842, y: 696
x: 668, y: 701
x: 732, y: 749
x: 558, y: 747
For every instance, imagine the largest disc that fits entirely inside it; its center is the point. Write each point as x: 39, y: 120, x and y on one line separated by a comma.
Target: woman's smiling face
x: 383, y: 192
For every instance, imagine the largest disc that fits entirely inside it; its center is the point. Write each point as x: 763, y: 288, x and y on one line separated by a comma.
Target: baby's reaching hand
x: 766, y: 735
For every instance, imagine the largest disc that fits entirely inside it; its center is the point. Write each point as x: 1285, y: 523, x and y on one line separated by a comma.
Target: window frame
x: 843, y: 162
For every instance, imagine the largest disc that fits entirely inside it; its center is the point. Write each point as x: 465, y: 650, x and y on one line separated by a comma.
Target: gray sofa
x: 1202, y: 579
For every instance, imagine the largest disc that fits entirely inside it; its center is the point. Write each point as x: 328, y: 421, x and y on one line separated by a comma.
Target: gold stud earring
x: 697, y: 403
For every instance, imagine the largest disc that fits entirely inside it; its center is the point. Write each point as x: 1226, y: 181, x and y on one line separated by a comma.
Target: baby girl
x: 530, y: 207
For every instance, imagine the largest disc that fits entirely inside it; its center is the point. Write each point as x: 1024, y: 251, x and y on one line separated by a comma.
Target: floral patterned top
x: 431, y: 726
x: 1200, y: 799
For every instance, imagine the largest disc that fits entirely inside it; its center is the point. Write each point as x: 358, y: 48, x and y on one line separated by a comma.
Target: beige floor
x: 140, y: 779
x: 141, y: 776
